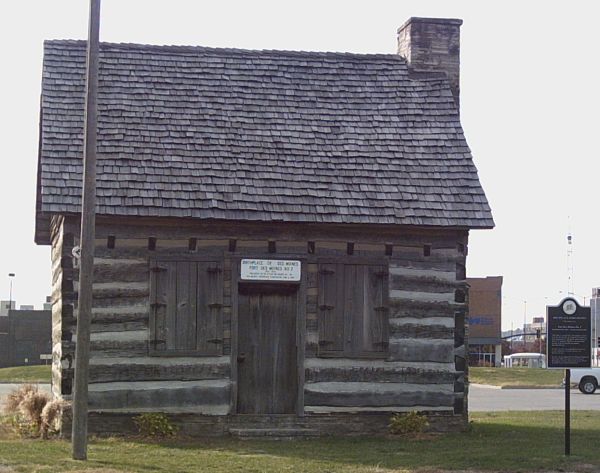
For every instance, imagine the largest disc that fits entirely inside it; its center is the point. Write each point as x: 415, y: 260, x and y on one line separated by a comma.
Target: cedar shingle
x: 258, y: 135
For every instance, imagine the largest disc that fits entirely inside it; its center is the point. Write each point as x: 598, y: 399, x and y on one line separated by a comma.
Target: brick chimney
x: 432, y: 45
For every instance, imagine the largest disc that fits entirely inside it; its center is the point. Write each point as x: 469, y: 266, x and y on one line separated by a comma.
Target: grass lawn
x: 511, y: 441
x: 26, y: 374
x: 516, y: 376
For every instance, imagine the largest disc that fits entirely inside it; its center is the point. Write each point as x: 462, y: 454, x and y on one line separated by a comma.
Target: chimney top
x: 433, y: 45
x: 440, y: 21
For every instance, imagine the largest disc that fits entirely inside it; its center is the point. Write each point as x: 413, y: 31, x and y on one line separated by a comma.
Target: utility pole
x: 88, y: 232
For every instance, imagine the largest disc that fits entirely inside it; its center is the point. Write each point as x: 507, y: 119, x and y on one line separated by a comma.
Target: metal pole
x: 593, y: 306
x: 567, y: 411
x: 88, y: 222
x: 11, y: 276
x: 524, y: 323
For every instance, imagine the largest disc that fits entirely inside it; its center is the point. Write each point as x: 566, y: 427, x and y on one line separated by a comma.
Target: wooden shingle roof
x: 257, y: 135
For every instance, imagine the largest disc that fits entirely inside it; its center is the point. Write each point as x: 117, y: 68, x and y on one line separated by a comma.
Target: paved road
x: 489, y: 398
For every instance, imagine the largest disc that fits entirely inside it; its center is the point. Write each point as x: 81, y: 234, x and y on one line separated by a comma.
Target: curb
x: 530, y: 387
x: 485, y: 386
x: 491, y: 386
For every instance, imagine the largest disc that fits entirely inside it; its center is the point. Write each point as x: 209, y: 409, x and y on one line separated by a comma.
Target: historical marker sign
x: 569, y: 343
x: 270, y: 270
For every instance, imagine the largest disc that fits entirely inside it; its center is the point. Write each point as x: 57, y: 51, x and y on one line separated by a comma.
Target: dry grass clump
x: 32, y: 412
x: 51, y: 414
x: 14, y: 398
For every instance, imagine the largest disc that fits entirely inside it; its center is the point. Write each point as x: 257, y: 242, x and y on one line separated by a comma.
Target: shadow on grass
x: 513, y: 441
x: 508, y: 441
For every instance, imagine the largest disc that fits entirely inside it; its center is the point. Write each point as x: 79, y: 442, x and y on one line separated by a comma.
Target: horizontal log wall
x: 205, y: 396
x: 424, y: 369
x: 123, y: 375
x: 427, y: 300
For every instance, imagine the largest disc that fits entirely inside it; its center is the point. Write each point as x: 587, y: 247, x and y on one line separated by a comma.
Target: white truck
x: 586, y: 379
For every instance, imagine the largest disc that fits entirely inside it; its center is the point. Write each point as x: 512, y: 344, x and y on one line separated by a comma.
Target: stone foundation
x: 198, y: 425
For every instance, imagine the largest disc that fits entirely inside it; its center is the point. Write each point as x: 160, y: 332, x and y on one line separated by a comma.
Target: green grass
x: 26, y: 374
x: 511, y: 441
x: 516, y: 376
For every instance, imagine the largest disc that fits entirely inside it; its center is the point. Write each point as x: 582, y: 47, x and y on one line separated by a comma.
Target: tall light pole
x: 524, y: 324
x: 10, y: 278
x: 88, y: 232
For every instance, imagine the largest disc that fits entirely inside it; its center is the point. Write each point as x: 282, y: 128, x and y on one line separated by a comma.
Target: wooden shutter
x: 353, y: 309
x: 209, y: 320
x: 331, y: 311
x: 186, y: 301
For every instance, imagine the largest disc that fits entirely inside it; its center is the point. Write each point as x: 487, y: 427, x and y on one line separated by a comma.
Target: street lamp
x: 524, y: 324
x: 10, y: 276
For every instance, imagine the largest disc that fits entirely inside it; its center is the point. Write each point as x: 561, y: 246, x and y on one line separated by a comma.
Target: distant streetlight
x: 10, y: 278
x: 524, y: 322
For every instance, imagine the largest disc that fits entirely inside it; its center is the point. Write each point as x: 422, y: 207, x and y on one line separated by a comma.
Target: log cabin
x: 281, y: 236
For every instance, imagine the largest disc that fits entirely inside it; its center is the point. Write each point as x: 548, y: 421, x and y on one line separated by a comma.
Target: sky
x: 529, y: 108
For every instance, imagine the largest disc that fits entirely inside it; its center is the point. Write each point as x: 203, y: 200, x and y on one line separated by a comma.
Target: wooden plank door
x: 267, y: 352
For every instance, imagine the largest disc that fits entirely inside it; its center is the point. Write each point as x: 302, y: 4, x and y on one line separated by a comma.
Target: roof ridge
x: 79, y: 43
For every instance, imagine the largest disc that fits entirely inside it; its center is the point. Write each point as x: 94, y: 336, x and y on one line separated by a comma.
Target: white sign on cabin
x: 270, y: 270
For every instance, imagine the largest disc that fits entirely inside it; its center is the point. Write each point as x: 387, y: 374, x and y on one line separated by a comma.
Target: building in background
x: 5, y: 306
x: 485, y: 320
x: 531, y: 330
x: 3, y: 340
x: 25, y: 335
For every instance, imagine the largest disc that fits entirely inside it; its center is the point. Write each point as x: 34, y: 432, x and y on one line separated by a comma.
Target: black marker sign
x: 569, y: 343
